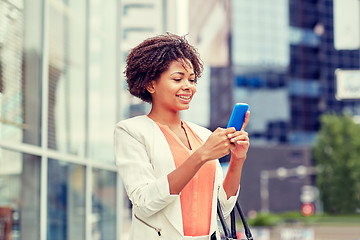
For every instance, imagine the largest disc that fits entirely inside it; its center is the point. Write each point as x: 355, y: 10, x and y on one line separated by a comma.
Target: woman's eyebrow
x: 181, y: 73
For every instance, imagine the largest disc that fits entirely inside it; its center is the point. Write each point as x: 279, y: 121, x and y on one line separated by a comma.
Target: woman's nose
x: 186, y: 84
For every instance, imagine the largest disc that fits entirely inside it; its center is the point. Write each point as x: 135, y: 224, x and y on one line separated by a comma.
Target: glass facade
x: 66, y: 200
x: 19, y: 195
x: 305, y: 53
x: 58, y: 101
x: 20, y: 54
x: 67, y: 63
x: 261, y: 58
x: 260, y: 30
x: 60, y: 97
x: 102, y: 73
x: 103, y: 207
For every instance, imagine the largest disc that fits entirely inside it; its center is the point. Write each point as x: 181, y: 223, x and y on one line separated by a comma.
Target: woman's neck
x: 170, y: 119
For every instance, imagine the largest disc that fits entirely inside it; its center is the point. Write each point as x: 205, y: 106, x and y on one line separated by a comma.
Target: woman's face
x: 175, y: 87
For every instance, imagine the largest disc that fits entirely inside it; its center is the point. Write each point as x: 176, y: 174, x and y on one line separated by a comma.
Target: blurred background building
x: 284, y: 62
x: 62, y: 91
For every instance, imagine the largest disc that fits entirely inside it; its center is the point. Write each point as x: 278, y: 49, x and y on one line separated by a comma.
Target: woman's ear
x: 150, y: 87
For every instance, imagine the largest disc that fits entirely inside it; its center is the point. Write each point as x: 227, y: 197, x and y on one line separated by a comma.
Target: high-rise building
x: 62, y: 90
x: 57, y: 113
x: 260, y: 59
x: 285, y: 58
x: 209, y: 32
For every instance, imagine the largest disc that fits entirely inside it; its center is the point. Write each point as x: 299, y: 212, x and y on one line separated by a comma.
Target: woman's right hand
x: 217, y: 145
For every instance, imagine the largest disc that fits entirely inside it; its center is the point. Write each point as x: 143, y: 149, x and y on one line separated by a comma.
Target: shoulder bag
x: 230, y: 234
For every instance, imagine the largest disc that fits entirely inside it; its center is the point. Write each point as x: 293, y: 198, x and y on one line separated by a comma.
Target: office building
x: 285, y: 58
x: 62, y: 91
x: 58, y: 109
x: 61, y: 94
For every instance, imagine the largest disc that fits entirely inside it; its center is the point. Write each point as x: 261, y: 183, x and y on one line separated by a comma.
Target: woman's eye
x: 178, y: 79
x: 192, y: 80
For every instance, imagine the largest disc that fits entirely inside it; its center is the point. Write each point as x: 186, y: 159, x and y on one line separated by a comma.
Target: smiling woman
x: 153, y: 56
x: 174, y: 88
x: 170, y: 167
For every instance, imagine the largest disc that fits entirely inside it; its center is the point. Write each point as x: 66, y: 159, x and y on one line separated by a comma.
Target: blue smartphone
x: 238, y: 116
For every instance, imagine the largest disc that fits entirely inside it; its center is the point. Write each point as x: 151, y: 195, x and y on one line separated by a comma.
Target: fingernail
x: 229, y: 135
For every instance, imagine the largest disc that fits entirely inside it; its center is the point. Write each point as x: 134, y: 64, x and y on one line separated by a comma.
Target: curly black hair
x: 149, y: 59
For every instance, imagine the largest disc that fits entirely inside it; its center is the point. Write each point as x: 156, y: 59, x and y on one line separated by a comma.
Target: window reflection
x: 11, y: 110
x: 66, y: 201
x: 82, y: 67
x: 67, y: 76
x: 104, y: 205
x: 20, y: 53
x: 102, y: 78
x: 19, y: 195
x: 260, y: 42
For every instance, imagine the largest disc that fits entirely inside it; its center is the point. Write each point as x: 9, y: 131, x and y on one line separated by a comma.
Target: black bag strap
x: 243, y: 219
x: 233, y: 224
x: 232, y: 234
x: 223, y: 222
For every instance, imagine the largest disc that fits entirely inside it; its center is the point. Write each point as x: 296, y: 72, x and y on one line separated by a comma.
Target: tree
x: 337, y: 154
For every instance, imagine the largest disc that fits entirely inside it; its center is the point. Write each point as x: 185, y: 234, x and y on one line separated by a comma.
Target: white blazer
x: 144, y: 160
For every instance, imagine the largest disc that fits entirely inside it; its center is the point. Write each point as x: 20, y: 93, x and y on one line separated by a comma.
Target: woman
x: 170, y: 167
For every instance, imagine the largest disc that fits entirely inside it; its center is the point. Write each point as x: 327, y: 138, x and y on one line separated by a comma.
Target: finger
x: 230, y: 130
x: 243, y: 143
x: 232, y: 146
x: 240, y: 138
x: 219, y: 129
x: 247, y: 116
x: 237, y: 134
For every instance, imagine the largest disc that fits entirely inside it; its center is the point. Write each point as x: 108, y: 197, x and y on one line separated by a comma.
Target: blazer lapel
x: 163, y: 163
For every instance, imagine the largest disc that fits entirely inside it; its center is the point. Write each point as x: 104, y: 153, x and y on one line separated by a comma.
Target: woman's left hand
x: 241, y: 141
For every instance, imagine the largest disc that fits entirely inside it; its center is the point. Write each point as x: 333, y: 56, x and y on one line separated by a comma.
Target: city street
x: 328, y: 232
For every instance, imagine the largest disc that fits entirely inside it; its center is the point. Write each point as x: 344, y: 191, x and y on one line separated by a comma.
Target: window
x: 20, y: 194
x: 66, y: 201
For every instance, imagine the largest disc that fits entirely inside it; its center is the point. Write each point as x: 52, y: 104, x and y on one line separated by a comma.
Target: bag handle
x: 222, y: 220
x: 246, y: 227
x: 232, y: 234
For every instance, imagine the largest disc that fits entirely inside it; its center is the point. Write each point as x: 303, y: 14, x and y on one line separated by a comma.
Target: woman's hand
x: 240, y: 140
x: 217, y: 145
x: 241, y: 143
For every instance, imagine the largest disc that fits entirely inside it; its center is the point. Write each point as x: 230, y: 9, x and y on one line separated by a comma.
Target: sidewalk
x: 294, y: 232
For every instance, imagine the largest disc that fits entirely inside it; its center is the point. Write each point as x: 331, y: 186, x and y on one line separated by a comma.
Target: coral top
x: 196, y: 197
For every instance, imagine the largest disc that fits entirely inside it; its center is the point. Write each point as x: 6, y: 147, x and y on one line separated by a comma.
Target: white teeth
x: 184, y: 97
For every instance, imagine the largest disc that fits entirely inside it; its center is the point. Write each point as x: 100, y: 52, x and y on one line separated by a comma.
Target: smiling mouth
x: 184, y: 97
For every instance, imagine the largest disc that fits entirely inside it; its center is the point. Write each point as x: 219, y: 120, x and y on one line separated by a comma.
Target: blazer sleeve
x: 226, y: 204
x: 147, y: 193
